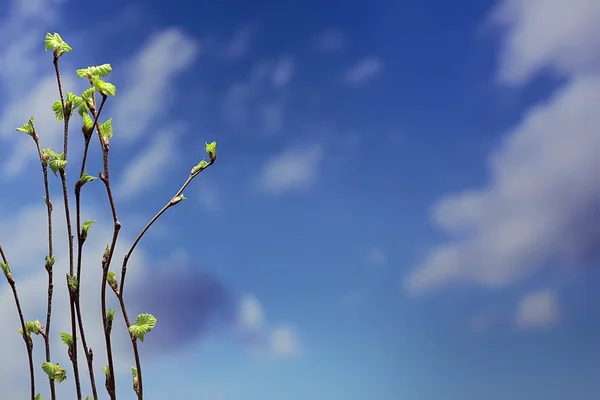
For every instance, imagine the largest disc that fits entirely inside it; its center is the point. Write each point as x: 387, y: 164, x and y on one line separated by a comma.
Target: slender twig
x: 80, y: 241
x: 119, y: 292
x: 26, y: 337
x: 48, y: 264
x: 105, y: 178
x: 63, y: 178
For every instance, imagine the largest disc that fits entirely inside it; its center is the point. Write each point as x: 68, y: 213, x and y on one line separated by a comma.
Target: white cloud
x: 329, y: 41
x: 150, y: 75
x: 293, y: 169
x: 279, y: 342
x: 149, y: 169
x: 537, y: 309
x: 16, y: 113
x: 284, y: 70
x: 251, y: 314
x: 376, y: 256
x: 364, y: 70
x: 547, y: 34
x: 239, y: 45
x: 284, y: 342
x: 538, y: 206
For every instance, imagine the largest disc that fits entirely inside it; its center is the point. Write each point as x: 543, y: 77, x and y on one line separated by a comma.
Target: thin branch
x: 105, y: 178
x: 26, y: 337
x: 63, y: 178
x: 80, y: 241
x: 48, y: 264
x: 119, y: 292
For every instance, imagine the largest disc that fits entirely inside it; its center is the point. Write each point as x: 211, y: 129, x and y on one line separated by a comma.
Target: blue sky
x: 404, y: 204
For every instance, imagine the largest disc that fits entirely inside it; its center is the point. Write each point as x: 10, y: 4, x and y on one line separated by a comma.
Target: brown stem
x: 80, y: 241
x: 105, y: 178
x: 63, y: 177
x: 170, y: 204
x: 48, y: 265
x: 26, y: 337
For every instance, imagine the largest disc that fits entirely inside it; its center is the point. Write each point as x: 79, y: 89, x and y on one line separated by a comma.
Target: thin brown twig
x: 48, y: 264
x: 63, y: 177
x: 26, y: 337
x: 105, y: 178
x: 80, y: 241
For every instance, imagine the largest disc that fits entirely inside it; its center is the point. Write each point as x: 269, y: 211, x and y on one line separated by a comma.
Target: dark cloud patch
x: 189, y: 303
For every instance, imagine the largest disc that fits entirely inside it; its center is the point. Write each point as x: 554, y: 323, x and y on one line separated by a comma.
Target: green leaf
x: 85, y: 178
x: 198, y: 168
x: 106, y: 370
x: 134, y: 372
x: 87, y: 122
x: 110, y: 314
x: 56, y: 43
x: 107, y: 89
x: 111, y: 278
x: 73, y: 102
x: 50, y: 261
x: 54, y: 371
x: 106, y: 129
x: 143, y: 324
x: 58, y: 110
x: 55, y: 160
x: 88, y: 97
x: 211, y: 149
x: 5, y: 268
x: 33, y: 327
x: 100, y: 70
x: 66, y: 339
x: 27, y: 127
x: 87, y: 224
x: 38, y: 397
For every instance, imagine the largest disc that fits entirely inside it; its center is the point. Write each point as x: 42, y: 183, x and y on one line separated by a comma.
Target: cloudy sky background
x: 406, y: 202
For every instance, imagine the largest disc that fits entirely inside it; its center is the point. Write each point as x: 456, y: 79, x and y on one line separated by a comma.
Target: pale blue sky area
x: 404, y: 205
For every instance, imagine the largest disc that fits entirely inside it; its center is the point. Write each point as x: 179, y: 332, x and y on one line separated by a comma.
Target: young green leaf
x: 211, y: 149
x: 106, y: 129
x: 198, y: 168
x: 88, y: 124
x: 58, y: 110
x: 107, y: 89
x: 38, y: 397
x: 110, y: 314
x: 72, y: 282
x: 106, y: 370
x: 49, y: 262
x: 55, y: 160
x: 88, y: 97
x: 27, y: 127
x: 5, y: 268
x: 111, y: 278
x: 56, y: 43
x: 85, y: 178
x: 54, y: 371
x: 100, y: 70
x: 143, y: 324
x: 86, y: 226
x: 66, y: 339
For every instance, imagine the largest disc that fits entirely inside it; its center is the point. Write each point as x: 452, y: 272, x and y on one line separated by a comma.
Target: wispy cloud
x: 284, y: 70
x: 537, y: 309
x: 293, y: 169
x: 538, y: 206
x: 149, y: 168
x: 239, y: 45
x: 330, y: 40
x: 364, y: 70
x: 281, y: 341
x: 145, y: 95
x: 532, y: 44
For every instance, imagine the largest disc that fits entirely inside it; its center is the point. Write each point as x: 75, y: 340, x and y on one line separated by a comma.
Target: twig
x: 26, y: 337
x: 48, y: 264
x: 63, y: 178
